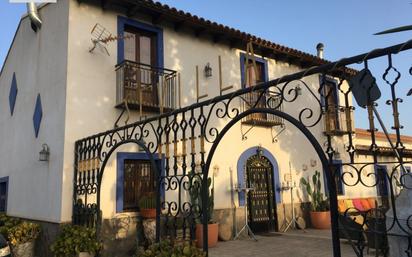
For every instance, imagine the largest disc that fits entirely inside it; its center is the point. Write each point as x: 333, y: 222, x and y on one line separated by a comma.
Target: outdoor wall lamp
x: 208, y: 71
x: 259, y: 151
x: 44, y: 153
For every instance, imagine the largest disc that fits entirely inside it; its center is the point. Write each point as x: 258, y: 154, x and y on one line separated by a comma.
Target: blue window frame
x: 123, y: 22
x: 262, y: 61
x: 381, y: 174
x: 4, y: 188
x: 121, y: 158
x: 340, y: 188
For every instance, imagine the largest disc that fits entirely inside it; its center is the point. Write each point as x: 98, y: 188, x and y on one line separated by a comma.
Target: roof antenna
x: 101, y: 36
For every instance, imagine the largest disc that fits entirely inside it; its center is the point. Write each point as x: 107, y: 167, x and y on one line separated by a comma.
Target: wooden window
x: 138, y: 182
x: 331, y: 101
x: 140, y: 46
x: 252, y: 77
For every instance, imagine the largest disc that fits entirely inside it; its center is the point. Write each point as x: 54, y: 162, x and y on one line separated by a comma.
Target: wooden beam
x: 156, y: 18
x: 199, y: 31
x: 104, y: 4
x: 133, y: 11
x: 178, y: 25
x: 218, y: 37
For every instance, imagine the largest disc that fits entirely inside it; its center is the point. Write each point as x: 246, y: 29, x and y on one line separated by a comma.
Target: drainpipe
x: 34, y: 16
x: 319, y: 48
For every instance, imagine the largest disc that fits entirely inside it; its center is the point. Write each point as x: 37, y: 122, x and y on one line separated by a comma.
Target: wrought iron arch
x: 314, y: 142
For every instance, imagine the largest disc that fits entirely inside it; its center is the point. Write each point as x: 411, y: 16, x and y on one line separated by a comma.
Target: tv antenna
x: 101, y: 36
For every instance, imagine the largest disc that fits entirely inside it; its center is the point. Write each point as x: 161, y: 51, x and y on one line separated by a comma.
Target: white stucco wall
x: 91, y: 100
x: 39, y: 61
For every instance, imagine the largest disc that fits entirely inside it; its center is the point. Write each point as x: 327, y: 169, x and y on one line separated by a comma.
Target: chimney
x: 34, y: 16
x: 319, y: 48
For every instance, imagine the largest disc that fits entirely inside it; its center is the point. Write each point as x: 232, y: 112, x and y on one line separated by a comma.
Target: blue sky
x: 345, y: 27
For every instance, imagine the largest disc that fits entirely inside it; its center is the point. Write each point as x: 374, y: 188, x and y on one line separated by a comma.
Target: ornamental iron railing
x: 146, y: 88
x: 186, y: 139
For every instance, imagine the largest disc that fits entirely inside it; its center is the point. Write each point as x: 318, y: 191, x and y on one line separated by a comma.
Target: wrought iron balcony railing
x: 146, y: 88
x: 262, y: 119
x: 338, y: 120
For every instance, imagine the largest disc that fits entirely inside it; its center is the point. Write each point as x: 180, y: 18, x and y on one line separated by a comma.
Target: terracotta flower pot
x: 212, y: 233
x: 148, y: 213
x: 320, y: 219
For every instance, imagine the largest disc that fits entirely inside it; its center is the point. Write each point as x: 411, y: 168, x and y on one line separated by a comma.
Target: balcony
x: 338, y: 120
x: 146, y: 88
x: 262, y: 119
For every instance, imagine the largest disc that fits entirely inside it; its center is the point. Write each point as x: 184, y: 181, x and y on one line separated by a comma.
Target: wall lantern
x: 259, y: 151
x: 208, y: 71
x: 298, y: 90
x: 44, y: 153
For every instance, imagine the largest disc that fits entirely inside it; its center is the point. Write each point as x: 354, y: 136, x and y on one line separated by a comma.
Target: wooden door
x: 261, y: 200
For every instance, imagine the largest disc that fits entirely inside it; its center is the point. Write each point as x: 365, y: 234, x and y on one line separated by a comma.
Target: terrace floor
x: 308, y: 243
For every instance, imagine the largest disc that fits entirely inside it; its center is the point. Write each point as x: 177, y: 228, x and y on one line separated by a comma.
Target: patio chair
x: 350, y: 229
x: 376, y: 234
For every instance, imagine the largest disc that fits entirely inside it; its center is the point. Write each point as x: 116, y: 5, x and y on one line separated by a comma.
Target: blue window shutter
x: 4, y: 188
x: 13, y: 94
x: 37, y: 116
x: 340, y: 190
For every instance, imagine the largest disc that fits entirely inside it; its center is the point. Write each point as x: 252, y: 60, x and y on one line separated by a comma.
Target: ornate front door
x: 261, y: 200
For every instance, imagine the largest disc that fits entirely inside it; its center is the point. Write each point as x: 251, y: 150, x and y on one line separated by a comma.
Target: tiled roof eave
x: 174, y: 15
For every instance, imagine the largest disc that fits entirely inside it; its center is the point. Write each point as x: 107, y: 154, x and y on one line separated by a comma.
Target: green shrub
x: 7, y: 223
x: 23, y: 232
x: 74, y: 239
x: 168, y: 248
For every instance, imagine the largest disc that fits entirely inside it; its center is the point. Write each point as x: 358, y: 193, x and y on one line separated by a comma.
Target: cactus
x: 147, y: 202
x: 318, y: 203
x: 195, y: 192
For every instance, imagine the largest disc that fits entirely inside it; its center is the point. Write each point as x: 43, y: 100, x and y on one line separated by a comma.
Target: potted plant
x: 196, y: 201
x: 147, y: 206
x: 171, y: 248
x: 319, y: 214
x: 22, y: 238
x: 76, y: 241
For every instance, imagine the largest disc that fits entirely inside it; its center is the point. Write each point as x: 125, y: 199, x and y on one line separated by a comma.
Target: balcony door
x: 254, y: 77
x: 140, y: 48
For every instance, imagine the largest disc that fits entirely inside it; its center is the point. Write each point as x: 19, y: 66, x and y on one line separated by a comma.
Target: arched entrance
x: 261, y: 200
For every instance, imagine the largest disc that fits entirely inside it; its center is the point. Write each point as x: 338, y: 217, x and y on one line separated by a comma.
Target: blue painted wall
x: 241, y: 169
x: 121, y: 156
x: 123, y: 21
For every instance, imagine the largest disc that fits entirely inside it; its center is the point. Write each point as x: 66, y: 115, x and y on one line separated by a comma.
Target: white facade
x: 78, y: 92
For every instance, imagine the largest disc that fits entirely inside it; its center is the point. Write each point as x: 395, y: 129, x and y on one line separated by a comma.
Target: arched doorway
x: 261, y: 200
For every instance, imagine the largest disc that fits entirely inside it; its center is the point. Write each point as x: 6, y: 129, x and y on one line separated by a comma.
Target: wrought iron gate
x: 262, y: 210
x: 186, y: 141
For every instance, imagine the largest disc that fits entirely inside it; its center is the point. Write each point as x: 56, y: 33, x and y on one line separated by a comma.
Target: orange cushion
x: 372, y: 203
x: 358, y: 204
x: 341, y: 206
x: 349, y: 205
x: 365, y: 204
